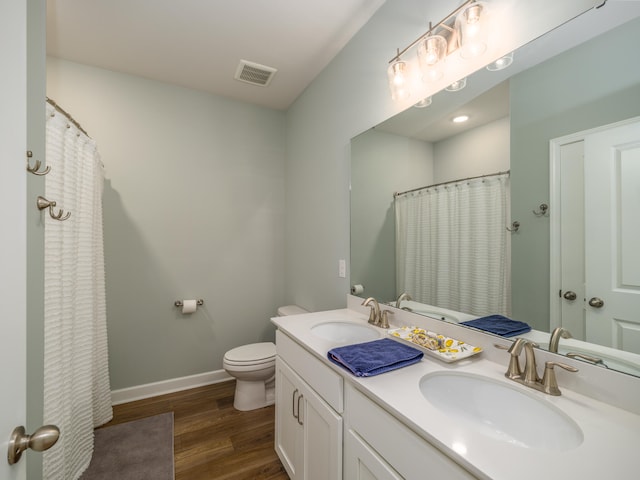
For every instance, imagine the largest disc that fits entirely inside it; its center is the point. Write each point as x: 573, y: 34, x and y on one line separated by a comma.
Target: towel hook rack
x: 43, y: 203
x: 542, y: 210
x: 36, y: 168
x: 515, y: 226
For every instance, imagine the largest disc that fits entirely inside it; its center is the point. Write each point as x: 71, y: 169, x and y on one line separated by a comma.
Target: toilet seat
x: 252, y: 354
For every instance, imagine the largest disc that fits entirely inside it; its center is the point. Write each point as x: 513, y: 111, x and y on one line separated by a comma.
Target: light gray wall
x: 480, y: 151
x: 381, y: 164
x: 347, y: 98
x: 193, y: 208
x: 592, y: 85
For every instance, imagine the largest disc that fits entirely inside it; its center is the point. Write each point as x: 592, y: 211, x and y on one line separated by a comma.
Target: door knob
x: 42, y: 439
x: 570, y: 295
x: 596, y: 302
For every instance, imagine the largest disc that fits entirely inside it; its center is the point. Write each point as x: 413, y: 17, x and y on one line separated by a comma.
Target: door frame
x: 555, y: 272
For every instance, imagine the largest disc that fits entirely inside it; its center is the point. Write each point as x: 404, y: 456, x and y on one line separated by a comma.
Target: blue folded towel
x: 373, y: 358
x: 499, y: 325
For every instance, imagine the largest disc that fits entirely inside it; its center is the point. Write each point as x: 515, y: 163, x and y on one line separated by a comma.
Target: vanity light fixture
x: 432, y: 51
x: 460, y: 119
x: 457, y: 85
x: 465, y: 30
x: 501, y: 63
x: 398, y: 75
x: 471, y: 25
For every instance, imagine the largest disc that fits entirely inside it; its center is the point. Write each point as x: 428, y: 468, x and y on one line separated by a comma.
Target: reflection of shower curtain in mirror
x: 452, y: 247
x: 77, y: 393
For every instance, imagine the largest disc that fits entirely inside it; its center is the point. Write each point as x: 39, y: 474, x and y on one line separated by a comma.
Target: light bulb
x: 432, y: 51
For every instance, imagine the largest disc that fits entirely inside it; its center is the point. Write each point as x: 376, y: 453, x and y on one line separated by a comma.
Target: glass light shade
x: 501, y: 63
x: 398, y: 76
x: 457, y: 85
x: 471, y: 25
x: 432, y: 51
x: 425, y: 102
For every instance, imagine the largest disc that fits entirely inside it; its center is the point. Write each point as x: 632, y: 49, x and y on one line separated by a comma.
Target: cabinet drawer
x: 327, y: 383
x: 408, y: 453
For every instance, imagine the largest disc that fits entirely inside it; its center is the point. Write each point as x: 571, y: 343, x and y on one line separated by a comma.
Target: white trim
x: 555, y: 144
x: 163, y: 387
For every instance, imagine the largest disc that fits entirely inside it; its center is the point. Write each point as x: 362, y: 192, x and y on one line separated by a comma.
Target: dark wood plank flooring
x: 212, y: 440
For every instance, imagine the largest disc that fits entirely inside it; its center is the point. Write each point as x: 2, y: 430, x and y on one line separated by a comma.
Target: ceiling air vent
x: 254, y: 73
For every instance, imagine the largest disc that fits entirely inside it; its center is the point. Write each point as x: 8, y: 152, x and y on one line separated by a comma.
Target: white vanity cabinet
x: 308, y: 430
x: 377, y: 446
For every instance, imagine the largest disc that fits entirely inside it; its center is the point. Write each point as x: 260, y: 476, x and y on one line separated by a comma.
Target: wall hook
x: 515, y: 226
x: 43, y: 203
x: 542, y: 210
x: 35, y: 170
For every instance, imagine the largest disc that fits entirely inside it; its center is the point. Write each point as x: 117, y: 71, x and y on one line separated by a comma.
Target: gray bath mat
x: 138, y: 450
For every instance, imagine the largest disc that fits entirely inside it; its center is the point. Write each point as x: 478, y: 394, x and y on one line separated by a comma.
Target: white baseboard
x: 139, y: 392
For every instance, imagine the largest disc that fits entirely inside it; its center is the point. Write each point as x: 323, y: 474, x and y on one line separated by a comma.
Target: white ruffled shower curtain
x: 76, y: 375
x: 452, y: 246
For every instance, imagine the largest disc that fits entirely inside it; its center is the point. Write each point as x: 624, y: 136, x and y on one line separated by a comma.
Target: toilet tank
x: 291, y: 310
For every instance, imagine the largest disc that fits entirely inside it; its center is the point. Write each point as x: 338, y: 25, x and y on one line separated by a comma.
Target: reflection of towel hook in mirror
x: 43, y: 203
x: 35, y: 169
x: 514, y: 226
x: 542, y: 210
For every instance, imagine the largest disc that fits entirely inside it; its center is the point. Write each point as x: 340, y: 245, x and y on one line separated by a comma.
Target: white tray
x: 452, y: 349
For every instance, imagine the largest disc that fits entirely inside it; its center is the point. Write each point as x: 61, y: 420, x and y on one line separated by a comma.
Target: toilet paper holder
x: 179, y: 303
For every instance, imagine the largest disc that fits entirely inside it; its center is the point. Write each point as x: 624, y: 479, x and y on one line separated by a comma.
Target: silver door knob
x: 596, y: 302
x: 570, y: 295
x: 42, y: 439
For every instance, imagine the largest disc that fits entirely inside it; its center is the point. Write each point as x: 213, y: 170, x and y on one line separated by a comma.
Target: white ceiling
x: 198, y: 44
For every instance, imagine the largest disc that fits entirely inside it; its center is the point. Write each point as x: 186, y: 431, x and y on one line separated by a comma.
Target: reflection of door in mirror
x: 602, y: 229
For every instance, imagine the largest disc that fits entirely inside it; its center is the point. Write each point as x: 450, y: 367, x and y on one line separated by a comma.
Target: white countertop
x: 611, y: 434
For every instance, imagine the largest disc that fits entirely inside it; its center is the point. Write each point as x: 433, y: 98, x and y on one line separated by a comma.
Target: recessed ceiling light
x: 460, y: 119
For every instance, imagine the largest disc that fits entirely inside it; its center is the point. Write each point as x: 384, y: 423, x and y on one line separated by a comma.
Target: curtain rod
x: 66, y: 114
x: 397, y: 194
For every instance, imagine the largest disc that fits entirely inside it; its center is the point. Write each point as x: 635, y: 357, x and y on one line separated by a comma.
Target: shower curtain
x: 452, y: 247
x: 76, y: 376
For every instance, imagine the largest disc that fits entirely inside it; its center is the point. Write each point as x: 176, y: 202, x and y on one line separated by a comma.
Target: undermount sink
x: 345, y: 332
x: 500, y: 411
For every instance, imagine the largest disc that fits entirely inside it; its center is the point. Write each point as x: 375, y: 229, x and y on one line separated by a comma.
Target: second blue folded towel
x: 499, y: 325
x: 375, y: 357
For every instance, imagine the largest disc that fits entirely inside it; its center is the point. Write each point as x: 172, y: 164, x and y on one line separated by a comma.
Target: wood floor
x: 212, y: 440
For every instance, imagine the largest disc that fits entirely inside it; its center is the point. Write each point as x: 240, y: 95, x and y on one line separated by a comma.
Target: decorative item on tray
x: 444, y: 348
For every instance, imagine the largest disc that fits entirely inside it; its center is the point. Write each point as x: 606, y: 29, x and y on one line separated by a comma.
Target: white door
x: 612, y: 228
x: 13, y: 131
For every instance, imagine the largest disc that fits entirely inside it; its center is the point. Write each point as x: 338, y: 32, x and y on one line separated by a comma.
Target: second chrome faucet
x: 529, y: 377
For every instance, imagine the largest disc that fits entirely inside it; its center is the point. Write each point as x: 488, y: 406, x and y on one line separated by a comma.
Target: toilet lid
x: 252, y: 353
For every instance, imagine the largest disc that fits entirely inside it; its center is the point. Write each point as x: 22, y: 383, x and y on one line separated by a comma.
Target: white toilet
x: 254, y: 368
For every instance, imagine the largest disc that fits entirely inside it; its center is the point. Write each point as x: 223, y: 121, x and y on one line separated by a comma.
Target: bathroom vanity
x: 331, y: 424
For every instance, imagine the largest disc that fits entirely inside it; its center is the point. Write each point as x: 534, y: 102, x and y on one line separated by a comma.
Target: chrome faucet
x: 548, y: 383
x: 554, y: 341
x: 375, y: 317
x: 403, y: 296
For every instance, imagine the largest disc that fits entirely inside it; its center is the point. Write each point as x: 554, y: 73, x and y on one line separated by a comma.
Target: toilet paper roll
x: 357, y: 289
x: 189, y: 306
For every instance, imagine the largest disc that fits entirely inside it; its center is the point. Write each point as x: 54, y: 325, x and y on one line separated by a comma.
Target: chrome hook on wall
x: 35, y: 170
x: 43, y: 203
x: 515, y: 226
x: 542, y: 210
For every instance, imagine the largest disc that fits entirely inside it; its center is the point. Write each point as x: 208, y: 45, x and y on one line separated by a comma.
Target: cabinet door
x: 322, y: 439
x: 361, y: 462
x: 289, y: 431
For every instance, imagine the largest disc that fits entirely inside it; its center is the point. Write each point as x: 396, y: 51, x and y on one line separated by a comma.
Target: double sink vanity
x: 459, y: 420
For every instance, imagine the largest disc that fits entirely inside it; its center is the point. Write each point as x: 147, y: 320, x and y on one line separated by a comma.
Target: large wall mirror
x: 581, y: 76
